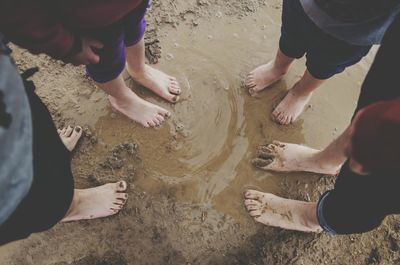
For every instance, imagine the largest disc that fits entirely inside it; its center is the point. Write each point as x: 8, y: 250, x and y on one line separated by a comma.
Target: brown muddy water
x: 203, y: 152
x: 200, y: 158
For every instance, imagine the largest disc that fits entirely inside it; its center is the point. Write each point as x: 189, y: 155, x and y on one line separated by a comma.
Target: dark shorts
x: 326, y: 55
x: 358, y: 204
x: 126, y: 32
x: 52, y: 190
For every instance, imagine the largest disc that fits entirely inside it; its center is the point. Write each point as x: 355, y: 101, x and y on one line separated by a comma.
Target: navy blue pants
x: 326, y: 55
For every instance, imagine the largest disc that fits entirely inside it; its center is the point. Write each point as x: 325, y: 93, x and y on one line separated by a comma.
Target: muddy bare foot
x: 160, y: 83
x: 139, y: 110
x: 290, y: 108
x: 262, y: 77
x: 97, y: 202
x: 70, y: 136
x: 284, y: 157
x: 272, y: 210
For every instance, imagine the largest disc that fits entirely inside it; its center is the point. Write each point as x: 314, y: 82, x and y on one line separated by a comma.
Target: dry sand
x: 187, y: 178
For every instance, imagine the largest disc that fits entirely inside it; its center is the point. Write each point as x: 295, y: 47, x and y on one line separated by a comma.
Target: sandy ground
x: 187, y: 178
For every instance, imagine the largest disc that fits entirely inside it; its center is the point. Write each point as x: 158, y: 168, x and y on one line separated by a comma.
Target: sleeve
x: 35, y: 25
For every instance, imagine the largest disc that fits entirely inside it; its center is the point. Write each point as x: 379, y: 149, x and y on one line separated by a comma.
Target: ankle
x: 74, y: 204
x: 136, y: 71
x: 310, y: 219
x: 327, y: 161
x: 301, y: 91
x: 281, y: 69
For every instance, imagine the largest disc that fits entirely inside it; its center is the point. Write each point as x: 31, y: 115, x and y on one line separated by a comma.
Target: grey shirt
x: 16, y: 166
x: 367, y: 32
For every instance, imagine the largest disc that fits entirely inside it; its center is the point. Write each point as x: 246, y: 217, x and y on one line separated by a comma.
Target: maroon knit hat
x: 376, y: 136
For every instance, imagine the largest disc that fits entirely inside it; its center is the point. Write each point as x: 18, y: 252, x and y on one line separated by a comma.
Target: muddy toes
x: 121, y: 186
x: 279, y: 144
x: 262, y: 163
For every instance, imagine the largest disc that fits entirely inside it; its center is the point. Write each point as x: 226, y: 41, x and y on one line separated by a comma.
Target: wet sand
x: 187, y: 178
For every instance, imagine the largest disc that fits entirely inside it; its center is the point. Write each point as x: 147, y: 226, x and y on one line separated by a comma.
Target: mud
x: 187, y: 178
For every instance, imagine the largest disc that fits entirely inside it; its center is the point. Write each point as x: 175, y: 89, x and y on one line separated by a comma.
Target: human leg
x: 267, y: 74
x: 107, y: 75
x: 160, y: 83
x: 163, y: 85
x: 295, y: 101
x: 128, y: 103
x: 275, y: 211
x: 292, y: 45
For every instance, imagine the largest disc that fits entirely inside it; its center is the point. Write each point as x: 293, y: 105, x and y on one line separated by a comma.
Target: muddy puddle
x: 202, y: 154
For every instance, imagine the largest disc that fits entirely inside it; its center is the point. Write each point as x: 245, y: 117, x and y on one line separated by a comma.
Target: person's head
x: 375, y: 139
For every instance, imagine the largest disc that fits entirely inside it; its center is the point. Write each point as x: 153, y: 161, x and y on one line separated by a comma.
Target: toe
x: 281, y: 119
x: 174, y: 82
x: 175, y: 90
x: 164, y: 112
x: 253, y: 195
x: 249, y: 202
x: 276, y: 113
x: 156, y: 122
x: 121, y: 186
x: 278, y: 144
x: 267, y: 149
x: 121, y: 197
x: 252, y: 207
x: 68, y: 131
x: 114, y: 210
x: 160, y: 118
x: 286, y: 120
x: 262, y: 163
x: 151, y: 124
x: 255, y: 213
x: 252, y: 91
x: 62, y: 132
x: 266, y: 155
x: 76, y: 134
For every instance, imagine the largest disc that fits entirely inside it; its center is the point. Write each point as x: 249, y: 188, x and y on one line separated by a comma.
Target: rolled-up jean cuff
x: 320, y: 216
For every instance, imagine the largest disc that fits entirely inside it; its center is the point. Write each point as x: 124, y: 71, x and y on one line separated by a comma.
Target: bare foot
x: 290, y: 107
x: 140, y: 110
x: 272, y: 210
x: 97, y: 202
x: 262, y: 77
x: 160, y: 83
x: 70, y: 136
x: 284, y: 157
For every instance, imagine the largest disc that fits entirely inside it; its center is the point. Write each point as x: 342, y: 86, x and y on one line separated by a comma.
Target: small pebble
x: 170, y: 57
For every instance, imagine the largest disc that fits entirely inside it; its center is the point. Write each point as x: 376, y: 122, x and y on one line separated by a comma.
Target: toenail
x: 77, y: 129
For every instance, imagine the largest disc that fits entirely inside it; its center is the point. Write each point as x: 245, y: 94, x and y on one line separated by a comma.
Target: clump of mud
x: 119, y: 155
